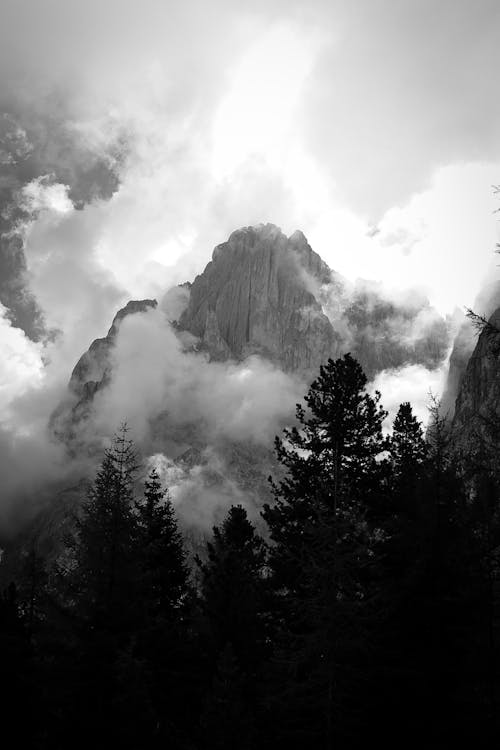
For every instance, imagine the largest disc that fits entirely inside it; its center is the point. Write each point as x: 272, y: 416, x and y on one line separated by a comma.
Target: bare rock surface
x: 476, y: 423
x: 256, y: 297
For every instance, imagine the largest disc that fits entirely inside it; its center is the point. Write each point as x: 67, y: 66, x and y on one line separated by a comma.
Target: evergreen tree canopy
x: 233, y: 588
x: 407, y: 445
x: 161, y: 551
x: 324, y: 551
x: 104, y: 569
x: 332, y: 459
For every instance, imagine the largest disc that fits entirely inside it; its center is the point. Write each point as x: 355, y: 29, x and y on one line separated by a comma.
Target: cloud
x: 139, y: 135
x: 403, y: 89
x: 414, y: 383
x: 152, y: 376
x: 202, y: 493
x: 20, y: 366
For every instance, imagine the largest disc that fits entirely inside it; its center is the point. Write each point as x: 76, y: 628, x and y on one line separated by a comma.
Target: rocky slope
x: 464, y: 345
x: 91, y: 373
x: 475, y: 429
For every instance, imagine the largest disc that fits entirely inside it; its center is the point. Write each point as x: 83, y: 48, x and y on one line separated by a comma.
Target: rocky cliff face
x: 476, y: 423
x: 267, y: 294
x: 256, y: 296
x: 264, y: 294
x: 463, y: 347
x: 91, y: 373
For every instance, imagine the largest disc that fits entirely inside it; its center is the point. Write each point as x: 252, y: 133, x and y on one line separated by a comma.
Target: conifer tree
x: 331, y: 460
x: 164, y: 573
x: 164, y: 644
x: 407, y: 446
x: 402, y: 574
x: 103, y: 570
x: 233, y: 588
x: 235, y: 607
x: 324, y: 549
x: 101, y: 590
x: 435, y: 602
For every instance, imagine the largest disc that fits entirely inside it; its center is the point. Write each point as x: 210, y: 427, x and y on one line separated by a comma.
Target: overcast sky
x: 373, y: 126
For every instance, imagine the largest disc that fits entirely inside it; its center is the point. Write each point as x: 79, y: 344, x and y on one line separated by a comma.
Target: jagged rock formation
x: 383, y: 334
x: 270, y: 295
x: 476, y: 424
x: 261, y: 294
x: 91, y: 373
x: 256, y: 297
x: 463, y: 347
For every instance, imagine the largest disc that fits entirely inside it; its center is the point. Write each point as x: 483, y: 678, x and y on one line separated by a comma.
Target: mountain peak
x: 131, y: 308
x: 256, y: 297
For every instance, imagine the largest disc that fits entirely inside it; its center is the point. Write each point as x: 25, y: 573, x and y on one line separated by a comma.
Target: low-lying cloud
x: 135, y: 136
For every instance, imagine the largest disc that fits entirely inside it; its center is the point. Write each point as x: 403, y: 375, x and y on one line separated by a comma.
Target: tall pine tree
x: 101, y: 592
x: 234, y: 598
x: 164, y: 573
x: 164, y: 645
x: 323, y: 552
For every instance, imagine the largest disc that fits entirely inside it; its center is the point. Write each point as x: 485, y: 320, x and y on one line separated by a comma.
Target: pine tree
x: 435, y: 605
x: 234, y: 599
x: 164, y: 573
x: 103, y: 568
x: 324, y: 549
x: 164, y: 643
x: 407, y: 446
x: 331, y: 461
x: 100, y: 593
x: 403, y: 576
x: 233, y: 588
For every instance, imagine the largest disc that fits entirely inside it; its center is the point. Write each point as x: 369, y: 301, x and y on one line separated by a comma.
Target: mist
x: 134, y: 137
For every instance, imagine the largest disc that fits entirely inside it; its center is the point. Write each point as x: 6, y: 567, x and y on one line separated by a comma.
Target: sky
x: 159, y: 127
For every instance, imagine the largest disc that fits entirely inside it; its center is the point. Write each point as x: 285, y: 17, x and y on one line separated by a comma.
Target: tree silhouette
x: 324, y: 548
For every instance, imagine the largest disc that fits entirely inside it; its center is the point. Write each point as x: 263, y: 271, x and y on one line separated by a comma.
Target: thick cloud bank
x: 134, y: 136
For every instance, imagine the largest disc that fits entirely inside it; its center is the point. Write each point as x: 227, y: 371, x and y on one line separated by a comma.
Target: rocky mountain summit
x: 91, y: 373
x: 258, y: 295
x: 267, y: 308
x: 267, y: 294
x: 270, y: 295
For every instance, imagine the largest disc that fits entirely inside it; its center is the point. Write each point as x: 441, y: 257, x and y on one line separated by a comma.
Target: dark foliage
x: 370, y: 612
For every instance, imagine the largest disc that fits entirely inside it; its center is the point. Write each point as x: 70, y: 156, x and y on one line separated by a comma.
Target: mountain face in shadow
x: 475, y: 428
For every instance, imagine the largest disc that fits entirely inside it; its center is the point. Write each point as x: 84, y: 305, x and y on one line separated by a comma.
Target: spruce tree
x: 233, y: 588
x: 162, y: 654
x: 403, y: 576
x: 235, y: 622
x: 324, y: 550
x: 331, y: 460
x: 104, y: 565
x: 407, y: 446
x: 163, y: 569
x: 101, y: 591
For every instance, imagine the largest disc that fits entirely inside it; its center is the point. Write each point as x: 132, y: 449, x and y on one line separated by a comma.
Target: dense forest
x: 364, y: 606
